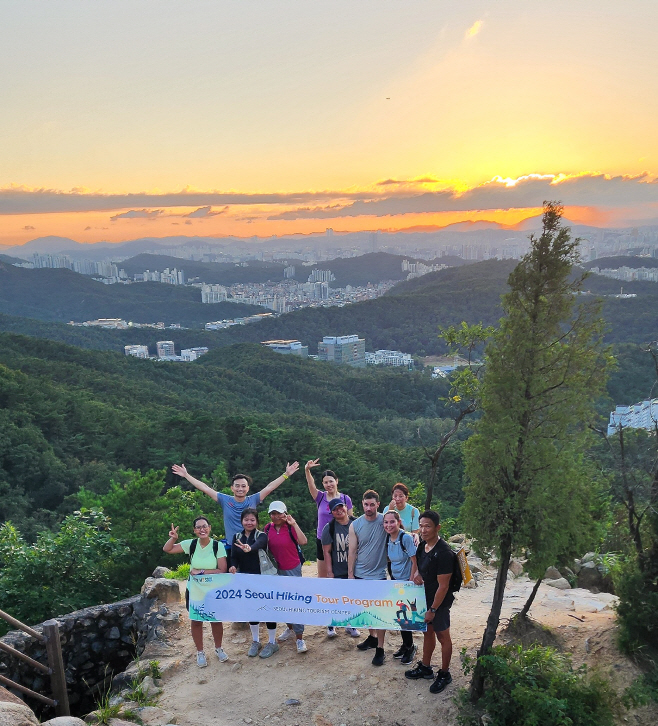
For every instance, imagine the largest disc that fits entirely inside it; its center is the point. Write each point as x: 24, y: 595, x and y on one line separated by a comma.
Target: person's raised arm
x: 312, y: 489
x: 301, y: 537
x: 353, y: 543
x: 170, y: 546
x: 197, y: 483
x: 290, y: 470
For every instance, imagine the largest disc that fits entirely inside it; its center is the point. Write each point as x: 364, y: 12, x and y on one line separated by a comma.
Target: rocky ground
x: 334, y: 684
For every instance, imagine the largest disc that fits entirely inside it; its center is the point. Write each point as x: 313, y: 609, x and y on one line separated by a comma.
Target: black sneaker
x: 400, y: 652
x: 369, y: 642
x: 420, y: 671
x: 409, y: 655
x: 443, y: 679
x: 379, y: 657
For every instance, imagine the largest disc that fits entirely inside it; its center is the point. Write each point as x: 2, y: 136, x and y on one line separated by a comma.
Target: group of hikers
x: 401, y: 541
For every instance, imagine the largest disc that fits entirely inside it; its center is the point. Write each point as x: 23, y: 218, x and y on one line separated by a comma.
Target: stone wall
x: 96, y: 642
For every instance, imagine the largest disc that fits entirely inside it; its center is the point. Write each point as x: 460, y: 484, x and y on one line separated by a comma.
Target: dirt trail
x: 337, y: 685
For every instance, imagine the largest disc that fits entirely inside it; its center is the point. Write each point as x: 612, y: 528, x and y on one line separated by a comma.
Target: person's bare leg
x: 196, y: 626
x: 379, y: 634
x: 446, y: 648
x: 429, y: 643
x: 322, y: 568
x: 217, y: 633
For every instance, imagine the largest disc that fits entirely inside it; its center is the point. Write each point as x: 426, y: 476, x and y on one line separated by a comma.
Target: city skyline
x: 123, y: 120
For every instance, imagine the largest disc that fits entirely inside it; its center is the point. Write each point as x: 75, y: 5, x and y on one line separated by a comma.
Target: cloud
x: 87, y: 229
x: 205, y: 212
x: 474, y: 29
x: 28, y: 227
x: 188, y: 221
x: 400, y: 182
x: 23, y: 200
x: 137, y: 214
x: 590, y: 190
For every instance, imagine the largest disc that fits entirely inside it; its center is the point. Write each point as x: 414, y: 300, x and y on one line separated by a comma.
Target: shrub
x: 182, y: 572
x: 539, y: 687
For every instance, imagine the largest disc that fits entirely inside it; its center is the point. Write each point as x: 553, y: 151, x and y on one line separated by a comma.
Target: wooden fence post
x: 56, y: 663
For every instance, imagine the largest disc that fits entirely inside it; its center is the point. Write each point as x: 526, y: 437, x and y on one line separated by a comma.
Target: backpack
x: 193, y: 544
x: 404, y: 549
x: 332, y: 526
x: 456, y: 578
x: 300, y: 554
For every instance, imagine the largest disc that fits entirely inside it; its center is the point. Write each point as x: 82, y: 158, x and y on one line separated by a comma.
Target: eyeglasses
x: 203, y: 526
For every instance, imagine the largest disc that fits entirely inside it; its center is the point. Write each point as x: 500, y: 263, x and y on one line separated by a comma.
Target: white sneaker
x: 331, y: 632
x: 353, y: 632
x: 201, y: 659
x: 286, y: 635
x: 301, y: 646
x: 221, y: 655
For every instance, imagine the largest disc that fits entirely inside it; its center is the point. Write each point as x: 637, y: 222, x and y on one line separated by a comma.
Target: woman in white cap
x: 284, y: 538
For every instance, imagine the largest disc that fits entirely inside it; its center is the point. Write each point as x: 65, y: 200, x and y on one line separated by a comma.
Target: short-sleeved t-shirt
x: 324, y: 513
x: 409, y: 516
x: 340, y: 546
x: 203, y: 557
x: 232, y: 511
x: 371, y: 549
x: 401, y: 558
x: 439, y: 560
x: 282, y: 547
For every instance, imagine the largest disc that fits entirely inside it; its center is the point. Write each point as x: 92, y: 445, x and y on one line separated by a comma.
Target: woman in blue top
x: 402, y: 561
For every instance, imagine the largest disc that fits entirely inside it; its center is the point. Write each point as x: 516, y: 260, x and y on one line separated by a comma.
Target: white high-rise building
x: 138, y: 351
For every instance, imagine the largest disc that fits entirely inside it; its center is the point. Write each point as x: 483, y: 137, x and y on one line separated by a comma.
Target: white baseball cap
x: 277, y: 507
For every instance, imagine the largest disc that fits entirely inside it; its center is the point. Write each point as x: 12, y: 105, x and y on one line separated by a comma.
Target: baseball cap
x: 277, y: 507
x: 336, y: 503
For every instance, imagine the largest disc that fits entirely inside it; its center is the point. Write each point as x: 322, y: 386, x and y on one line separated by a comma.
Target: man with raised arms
x: 232, y: 506
x: 366, y: 560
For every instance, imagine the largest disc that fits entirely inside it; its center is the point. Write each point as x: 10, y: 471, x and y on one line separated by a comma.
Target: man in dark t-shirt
x: 436, y: 562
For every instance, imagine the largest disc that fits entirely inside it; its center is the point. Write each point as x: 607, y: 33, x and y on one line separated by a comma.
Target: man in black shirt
x: 436, y: 562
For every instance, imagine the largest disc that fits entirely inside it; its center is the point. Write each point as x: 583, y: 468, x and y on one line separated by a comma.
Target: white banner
x: 384, y: 604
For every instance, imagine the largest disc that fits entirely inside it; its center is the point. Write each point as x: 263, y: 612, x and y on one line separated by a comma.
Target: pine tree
x: 543, y: 369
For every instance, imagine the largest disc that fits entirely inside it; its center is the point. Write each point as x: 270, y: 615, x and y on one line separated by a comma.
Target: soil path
x: 336, y: 684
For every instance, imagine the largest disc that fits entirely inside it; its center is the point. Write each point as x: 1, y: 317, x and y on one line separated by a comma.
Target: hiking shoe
x: 287, y: 634
x: 378, y: 660
x: 409, y: 655
x: 420, y: 671
x: 331, y: 632
x: 268, y: 650
x: 369, y: 642
x: 201, y: 659
x: 254, y: 649
x: 301, y: 646
x: 352, y: 632
x: 443, y: 679
x: 400, y: 652
x: 221, y: 655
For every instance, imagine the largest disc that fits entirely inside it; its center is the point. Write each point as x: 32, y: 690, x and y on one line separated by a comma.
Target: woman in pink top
x: 283, y: 539
x: 322, y: 499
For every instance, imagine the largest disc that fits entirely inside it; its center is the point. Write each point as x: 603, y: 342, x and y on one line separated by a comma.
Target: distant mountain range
x: 615, y: 263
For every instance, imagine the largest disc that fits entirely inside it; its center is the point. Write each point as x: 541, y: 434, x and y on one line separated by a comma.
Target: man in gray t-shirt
x: 367, y: 559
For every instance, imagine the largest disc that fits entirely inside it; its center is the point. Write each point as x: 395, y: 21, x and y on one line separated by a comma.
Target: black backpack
x: 404, y: 549
x: 193, y: 544
x: 300, y: 554
x: 456, y: 578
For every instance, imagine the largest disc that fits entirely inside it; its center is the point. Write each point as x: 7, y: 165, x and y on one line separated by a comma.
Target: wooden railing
x: 55, y: 667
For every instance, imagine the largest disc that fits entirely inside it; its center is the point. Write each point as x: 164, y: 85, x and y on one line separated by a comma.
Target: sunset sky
x: 256, y: 117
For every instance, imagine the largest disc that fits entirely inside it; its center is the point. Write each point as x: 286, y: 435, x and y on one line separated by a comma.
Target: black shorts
x: 318, y: 548
x: 441, y: 620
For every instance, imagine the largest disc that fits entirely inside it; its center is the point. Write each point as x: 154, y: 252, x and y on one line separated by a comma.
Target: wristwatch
x: 432, y: 610
x: 202, y: 572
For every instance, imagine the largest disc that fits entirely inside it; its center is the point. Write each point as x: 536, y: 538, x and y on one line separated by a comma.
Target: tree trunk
x: 477, y: 683
x: 430, y: 484
x: 531, y: 599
